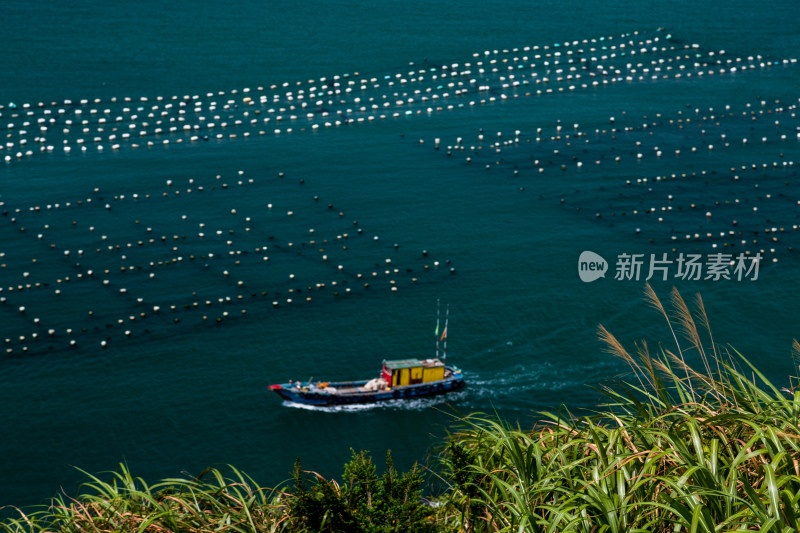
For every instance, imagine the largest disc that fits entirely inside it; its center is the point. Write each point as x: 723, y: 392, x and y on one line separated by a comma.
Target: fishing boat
x: 397, y: 380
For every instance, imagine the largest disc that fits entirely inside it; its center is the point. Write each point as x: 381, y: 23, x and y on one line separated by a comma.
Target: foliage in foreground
x: 674, y: 449
x: 210, y: 502
x: 363, y: 503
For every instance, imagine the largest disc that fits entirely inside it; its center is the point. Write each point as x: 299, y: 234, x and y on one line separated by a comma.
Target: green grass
x: 674, y: 448
x: 211, y: 502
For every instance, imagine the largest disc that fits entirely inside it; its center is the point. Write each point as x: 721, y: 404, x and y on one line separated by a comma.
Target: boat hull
x: 322, y: 398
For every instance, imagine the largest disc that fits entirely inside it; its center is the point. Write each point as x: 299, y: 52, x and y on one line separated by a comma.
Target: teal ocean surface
x: 202, y: 199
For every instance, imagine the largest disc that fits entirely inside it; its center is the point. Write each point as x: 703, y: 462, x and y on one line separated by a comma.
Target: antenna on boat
x: 444, y: 334
x: 436, y: 333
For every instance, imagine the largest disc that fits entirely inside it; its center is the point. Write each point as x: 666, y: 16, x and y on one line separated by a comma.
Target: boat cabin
x: 412, y: 371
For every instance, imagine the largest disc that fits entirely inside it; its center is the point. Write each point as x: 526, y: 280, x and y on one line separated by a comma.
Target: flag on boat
x: 444, y: 333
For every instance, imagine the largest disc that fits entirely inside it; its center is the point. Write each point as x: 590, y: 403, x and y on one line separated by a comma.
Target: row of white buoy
x: 672, y: 213
x: 770, y: 126
x: 350, y: 101
x: 20, y: 343
x: 212, y: 106
x: 134, y: 297
x: 325, y: 84
x: 707, y: 127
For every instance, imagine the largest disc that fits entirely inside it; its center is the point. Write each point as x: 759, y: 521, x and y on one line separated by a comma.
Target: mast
x: 436, y: 333
x: 444, y: 334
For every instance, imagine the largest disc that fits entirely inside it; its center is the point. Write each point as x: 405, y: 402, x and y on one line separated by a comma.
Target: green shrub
x: 365, y: 502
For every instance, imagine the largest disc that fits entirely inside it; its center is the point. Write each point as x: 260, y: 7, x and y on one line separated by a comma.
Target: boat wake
x: 415, y: 404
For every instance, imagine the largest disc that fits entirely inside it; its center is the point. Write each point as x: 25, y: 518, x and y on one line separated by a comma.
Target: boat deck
x: 348, y: 390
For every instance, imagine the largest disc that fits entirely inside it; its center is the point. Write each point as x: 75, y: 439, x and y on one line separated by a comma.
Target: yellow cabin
x: 412, y: 371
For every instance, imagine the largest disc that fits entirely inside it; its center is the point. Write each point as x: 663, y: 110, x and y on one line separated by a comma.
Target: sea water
x: 494, y: 231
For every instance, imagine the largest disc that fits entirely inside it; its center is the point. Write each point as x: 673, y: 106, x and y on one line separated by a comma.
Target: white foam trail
x: 413, y: 404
